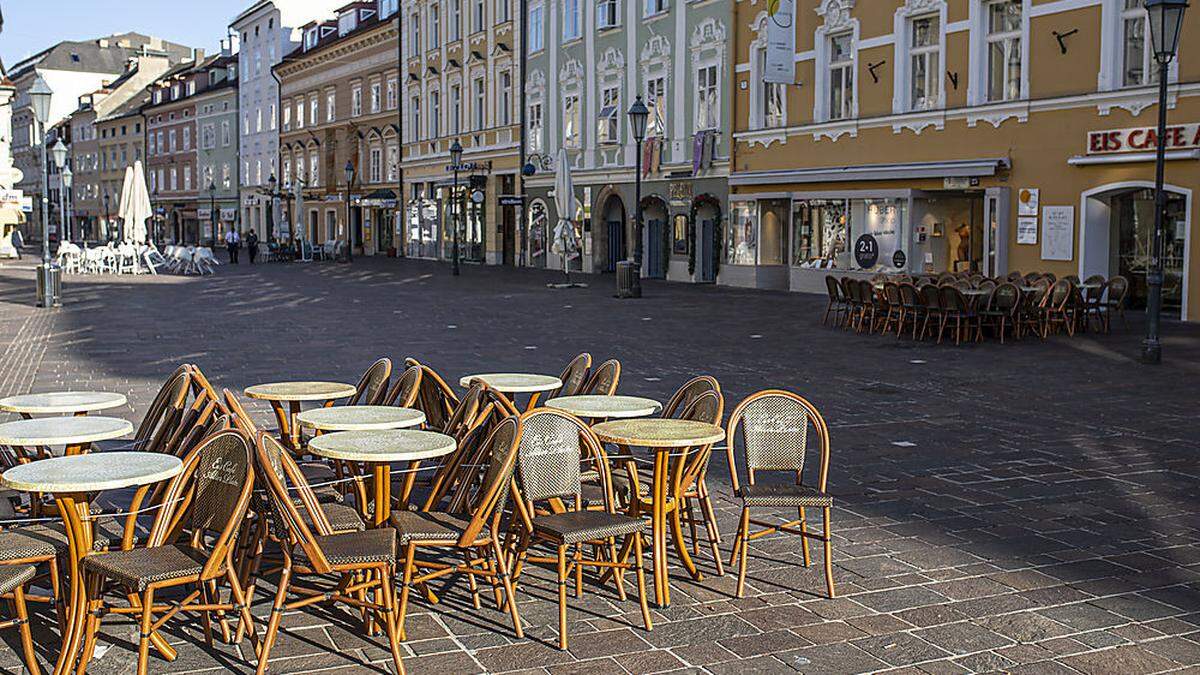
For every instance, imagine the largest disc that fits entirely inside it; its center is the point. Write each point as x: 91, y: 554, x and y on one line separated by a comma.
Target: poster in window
x: 1058, y: 232
x: 781, y: 42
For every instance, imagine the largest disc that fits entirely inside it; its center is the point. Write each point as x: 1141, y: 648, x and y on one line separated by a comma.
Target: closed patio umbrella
x: 135, y: 205
x: 565, y: 244
x: 126, y: 187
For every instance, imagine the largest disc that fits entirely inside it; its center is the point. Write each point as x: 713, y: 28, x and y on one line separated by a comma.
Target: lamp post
x: 1166, y: 17
x: 456, y: 151
x: 639, y: 115
x: 212, y: 211
x: 66, y: 177
x: 272, y: 183
x: 107, y: 219
x: 349, y: 230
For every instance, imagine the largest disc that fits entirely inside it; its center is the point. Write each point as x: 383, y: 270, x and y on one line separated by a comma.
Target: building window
x: 375, y: 99
x: 503, y: 11
x: 171, y: 140
x: 656, y: 101
x: 271, y: 115
x: 771, y: 108
x: 480, y: 15
x: 299, y: 116
x: 480, y: 101
x: 375, y: 165
x: 455, y: 109
x: 571, y: 22
x: 708, y: 110
x: 314, y: 169
x: 174, y: 179
x: 455, y: 27
x: 656, y: 7
x: 287, y: 174
x: 504, y: 105
x: 226, y: 134
x: 435, y: 26
x: 435, y: 114
x: 187, y: 178
x: 607, y: 129
x: 571, y: 136
x: 1004, y: 50
x: 391, y: 93
x: 925, y: 72
x: 393, y: 162
x: 208, y: 137
x: 414, y: 118
x: 388, y: 8
x: 330, y: 105
x: 533, y: 122
x: 536, y: 28
x: 841, y: 77
x: 1137, y: 67
x: 608, y: 14
x: 356, y: 101
x: 313, y: 111
x: 414, y: 23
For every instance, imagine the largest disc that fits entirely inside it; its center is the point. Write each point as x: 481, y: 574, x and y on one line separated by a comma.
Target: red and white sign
x: 1142, y: 139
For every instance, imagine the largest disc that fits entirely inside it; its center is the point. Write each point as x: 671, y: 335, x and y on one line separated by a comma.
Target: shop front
x: 375, y: 222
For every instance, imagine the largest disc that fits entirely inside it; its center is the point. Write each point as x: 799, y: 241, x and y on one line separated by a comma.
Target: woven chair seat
x: 45, y: 540
x: 782, y: 494
x: 138, y: 568
x: 428, y: 526
x: 359, y: 548
x: 342, y: 517
x: 573, y: 527
x: 13, y: 576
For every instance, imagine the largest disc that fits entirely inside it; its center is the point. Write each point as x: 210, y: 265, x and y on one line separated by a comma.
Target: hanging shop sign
x: 1142, y: 139
x: 781, y: 42
x: 512, y: 200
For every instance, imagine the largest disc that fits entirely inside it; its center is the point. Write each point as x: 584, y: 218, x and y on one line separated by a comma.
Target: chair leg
x: 409, y: 558
x: 710, y: 524
x: 641, y: 581
x: 509, y: 590
x: 22, y: 612
x: 246, y: 620
x: 388, y: 600
x: 562, y: 597
x: 618, y: 572
x: 828, y: 554
x: 803, y: 538
x: 471, y: 582
x: 92, y: 584
x: 144, y: 637
x: 273, y: 625
x: 743, y: 540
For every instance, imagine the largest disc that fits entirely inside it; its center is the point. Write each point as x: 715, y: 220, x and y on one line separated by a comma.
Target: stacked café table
x: 61, y: 403
x: 511, y: 384
x: 286, y: 398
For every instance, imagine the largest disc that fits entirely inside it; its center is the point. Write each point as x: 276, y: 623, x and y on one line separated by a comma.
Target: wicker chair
x: 435, y: 398
x: 914, y: 309
x: 955, y: 308
x: 775, y: 433
x: 362, y: 562
x: 404, y: 392
x: 573, y: 377
x: 474, y: 533
x: 209, y: 499
x: 604, y: 379
x: 373, y: 385
x: 931, y: 302
x: 710, y: 408
x: 837, y: 300
x: 1059, y: 308
x: 894, y: 317
x: 1002, y: 310
x: 854, y: 304
x: 1118, y: 290
x: 13, y: 579
x: 549, y: 456
x: 162, y: 417
x: 688, y: 392
x: 1016, y: 277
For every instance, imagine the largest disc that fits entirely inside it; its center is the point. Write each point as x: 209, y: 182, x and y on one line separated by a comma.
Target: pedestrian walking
x: 17, y: 242
x: 233, y: 242
x: 252, y: 245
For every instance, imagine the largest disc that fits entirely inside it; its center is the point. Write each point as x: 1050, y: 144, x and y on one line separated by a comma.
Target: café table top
x: 63, y: 430
x: 360, y: 418
x: 390, y: 445
x: 92, y: 472
x: 1090, y: 286
x: 976, y: 291
x: 659, y: 433
x: 61, y: 402
x: 594, y: 406
x: 514, y: 383
x: 301, y: 391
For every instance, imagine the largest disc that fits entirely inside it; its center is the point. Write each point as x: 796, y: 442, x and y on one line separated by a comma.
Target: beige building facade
x: 461, y: 81
x: 989, y: 135
x: 339, y: 105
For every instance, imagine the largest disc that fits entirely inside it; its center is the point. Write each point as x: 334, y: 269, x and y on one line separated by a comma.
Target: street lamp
x: 639, y: 115
x: 1166, y: 17
x: 212, y: 210
x: 349, y: 170
x: 64, y: 199
x: 272, y: 182
x: 456, y: 151
x: 107, y: 219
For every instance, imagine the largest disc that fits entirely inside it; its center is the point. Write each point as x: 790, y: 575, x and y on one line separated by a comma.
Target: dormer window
x: 347, y: 22
x: 311, y: 37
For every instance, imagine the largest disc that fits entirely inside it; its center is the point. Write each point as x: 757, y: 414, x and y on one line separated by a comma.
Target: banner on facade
x: 1142, y: 139
x: 781, y: 42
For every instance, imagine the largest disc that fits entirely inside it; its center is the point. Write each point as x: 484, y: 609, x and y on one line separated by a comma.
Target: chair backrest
x: 1118, y: 288
x: 832, y: 287
x: 908, y: 295
x: 373, y: 385
x: 850, y: 290
x: 457, y: 469
x: 164, y: 413
x: 202, y: 388
x: 435, y: 398
x: 240, y: 417
x: 467, y: 413
x: 775, y: 435
x: 986, y: 285
x: 951, y: 298
x: 1060, y: 293
x: 1006, y: 297
x: 487, y: 502
x: 891, y: 291
x: 690, y: 390
x: 278, y: 473
x: 574, y: 376
x: 962, y: 285
x: 404, y: 392
x: 930, y: 296
x: 604, y: 379
x: 1095, y: 279
x: 866, y: 291
x: 553, y: 445
x: 1015, y: 276
x: 1074, y: 279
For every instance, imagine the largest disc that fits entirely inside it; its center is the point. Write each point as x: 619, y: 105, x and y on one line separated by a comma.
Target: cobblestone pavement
x: 1031, y: 507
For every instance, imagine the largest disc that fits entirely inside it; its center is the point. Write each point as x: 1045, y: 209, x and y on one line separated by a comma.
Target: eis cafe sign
x: 1142, y: 139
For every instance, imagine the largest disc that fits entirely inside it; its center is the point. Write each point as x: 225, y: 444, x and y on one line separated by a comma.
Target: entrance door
x: 704, y: 249
x: 1134, y: 212
x: 995, y: 219
x: 508, y: 229
x: 654, y: 249
x: 616, y: 245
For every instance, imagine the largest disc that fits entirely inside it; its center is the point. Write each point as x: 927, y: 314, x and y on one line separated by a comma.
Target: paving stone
x: 900, y: 649
x: 829, y: 659
x: 962, y: 638
x: 1025, y: 626
x: 1128, y: 659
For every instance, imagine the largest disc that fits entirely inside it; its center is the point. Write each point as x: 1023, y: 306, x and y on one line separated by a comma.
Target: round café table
x: 360, y: 418
x: 72, y: 480
x: 285, y: 399
x: 61, y: 403
x: 378, y: 449
x: 597, y: 407
x: 668, y: 439
x: 510, y: 384
x: 76, y: 434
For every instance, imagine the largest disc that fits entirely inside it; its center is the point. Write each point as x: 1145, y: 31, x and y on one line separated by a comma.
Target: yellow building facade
x: 934, y: 135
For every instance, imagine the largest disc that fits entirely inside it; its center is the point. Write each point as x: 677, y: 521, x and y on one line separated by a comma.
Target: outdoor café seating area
x: 388, y: 490
x: 969, y: 307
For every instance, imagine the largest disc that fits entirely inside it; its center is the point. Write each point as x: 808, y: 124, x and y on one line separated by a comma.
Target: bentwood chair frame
x: 13, y: 579
x: 913, y: 309
x: 210, y: 496
x: 404, y: 392
x: 1060, y: 308
x: 474, y: 533
x: 574, y: 376
x: 1003, y: 310
x: 372, y: 387
x: 362, y: 562
x: 837, y: 301
x: 709, y: 408
x: 759, y: 417
x: 435, y: 398
x: 1118, y: 291
x: 549, y: 455
x: 604, y: 379
x: 931, y: 299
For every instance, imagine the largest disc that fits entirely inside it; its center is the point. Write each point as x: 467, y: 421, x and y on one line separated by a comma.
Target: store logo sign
x: 1142, y: 139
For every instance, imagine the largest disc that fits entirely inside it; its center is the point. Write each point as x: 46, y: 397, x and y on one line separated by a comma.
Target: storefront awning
x: 964, y: 168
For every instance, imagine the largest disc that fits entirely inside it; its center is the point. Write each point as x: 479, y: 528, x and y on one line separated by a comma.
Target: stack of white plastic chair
x: 151, y: 258
x: 127, y: 259
x: 69, y: 258
x: 205, y: 261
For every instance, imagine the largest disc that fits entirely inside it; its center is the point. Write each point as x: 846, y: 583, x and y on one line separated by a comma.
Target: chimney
x: 155, y: 43
x: 197, y: 55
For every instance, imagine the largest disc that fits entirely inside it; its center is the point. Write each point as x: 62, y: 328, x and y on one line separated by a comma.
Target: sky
x: 32, y: 25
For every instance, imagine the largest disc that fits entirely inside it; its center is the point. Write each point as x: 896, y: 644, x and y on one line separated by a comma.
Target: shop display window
x: 819, y: 232
x: 741, y: 241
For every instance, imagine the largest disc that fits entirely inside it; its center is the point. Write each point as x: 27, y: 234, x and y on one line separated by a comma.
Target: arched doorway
x: 655, y: 244
x: 612, y: 218
x: 706, y: 235
x: 1116, y: 235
